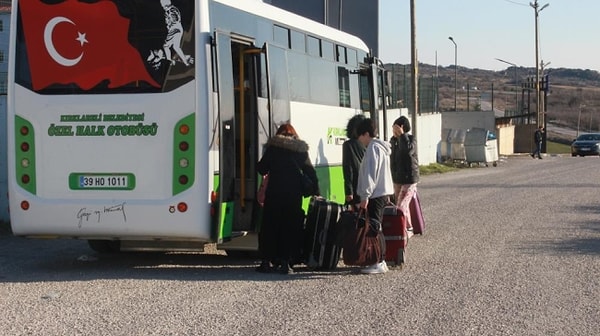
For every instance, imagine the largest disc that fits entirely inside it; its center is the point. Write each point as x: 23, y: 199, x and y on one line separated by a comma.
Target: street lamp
x: 516, y: 84
x: 537, y: 10
x: 455, y: 70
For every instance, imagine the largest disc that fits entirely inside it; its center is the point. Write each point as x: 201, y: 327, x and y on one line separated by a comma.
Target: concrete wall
x: 466, y: 120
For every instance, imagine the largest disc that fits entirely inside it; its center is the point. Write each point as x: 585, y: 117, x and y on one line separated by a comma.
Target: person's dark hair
x: 366, y: 126
x: 404, y: 123
x: 351, y: 126
x: 287, y: 130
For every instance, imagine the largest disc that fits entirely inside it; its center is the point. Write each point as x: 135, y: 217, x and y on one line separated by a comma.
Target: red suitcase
x: 396, y: 239
x: 416, y: 215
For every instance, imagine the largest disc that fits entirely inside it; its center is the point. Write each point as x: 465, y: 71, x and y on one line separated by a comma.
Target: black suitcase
x: 321, y: 249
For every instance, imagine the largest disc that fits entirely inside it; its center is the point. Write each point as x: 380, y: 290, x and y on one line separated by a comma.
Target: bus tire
x: 104, y: 246
x: 242, y: 254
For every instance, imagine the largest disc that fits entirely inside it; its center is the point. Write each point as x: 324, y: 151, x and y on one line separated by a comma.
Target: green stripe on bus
x: 226, y: 225
x: 25, y: 154
x: 184, y: 157
x: 331, y: 183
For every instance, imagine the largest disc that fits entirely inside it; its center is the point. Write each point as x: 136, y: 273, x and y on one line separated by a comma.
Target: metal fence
x: 510, y: 101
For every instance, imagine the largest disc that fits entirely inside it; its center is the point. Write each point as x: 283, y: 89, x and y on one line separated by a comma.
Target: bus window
x: 352, y: 57
x: 344, y: 86
x: 262, y: 78
x: 3, y: 84
x: 341, y: 54
x: 327, y: 50
x: 313, y: 46
x: 281, y: 36
x: 365, y: 92
x: 298, y: 69
x: 298, y: 41
x: 323, y: 83
x: 280, y: 95
x: 138, y: 61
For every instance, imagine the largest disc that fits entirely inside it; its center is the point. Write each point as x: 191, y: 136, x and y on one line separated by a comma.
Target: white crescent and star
x: 56, y: 56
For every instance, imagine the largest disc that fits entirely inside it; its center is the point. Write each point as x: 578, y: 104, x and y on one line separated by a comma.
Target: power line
x: 517, y: 3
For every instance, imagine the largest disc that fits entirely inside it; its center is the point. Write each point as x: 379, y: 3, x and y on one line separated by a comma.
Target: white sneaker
x: 376, y: 268
x: 409, y: 232
x: 385, y: 267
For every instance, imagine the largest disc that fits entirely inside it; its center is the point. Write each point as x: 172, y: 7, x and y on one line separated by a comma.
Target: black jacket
x: 352, y: 154
x: 404, y: 160
x: 283, y: 158
x: 538, y: 136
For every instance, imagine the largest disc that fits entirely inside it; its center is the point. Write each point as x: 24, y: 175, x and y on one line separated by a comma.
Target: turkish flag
x: 81, y: 43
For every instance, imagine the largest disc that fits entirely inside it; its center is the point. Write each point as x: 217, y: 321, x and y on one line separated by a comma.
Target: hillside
x: 570, y: 92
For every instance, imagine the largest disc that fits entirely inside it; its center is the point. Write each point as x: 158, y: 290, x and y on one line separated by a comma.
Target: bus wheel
x: 242, y: 254
x: 104, y: 246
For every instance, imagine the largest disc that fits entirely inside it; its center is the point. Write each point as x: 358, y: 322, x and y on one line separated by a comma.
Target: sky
x: 488, y: 29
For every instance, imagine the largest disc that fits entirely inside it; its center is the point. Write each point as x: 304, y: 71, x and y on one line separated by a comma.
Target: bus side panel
x: 325, y: 140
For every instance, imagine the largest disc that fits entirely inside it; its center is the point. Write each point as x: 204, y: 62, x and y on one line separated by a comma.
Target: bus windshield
x: 104, y: 47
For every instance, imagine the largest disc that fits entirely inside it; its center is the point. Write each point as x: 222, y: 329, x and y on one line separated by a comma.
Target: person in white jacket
x: 374, y: 184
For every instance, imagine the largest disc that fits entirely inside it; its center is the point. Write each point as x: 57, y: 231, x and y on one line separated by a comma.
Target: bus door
x: 237, y: 66
x: 374, y: 82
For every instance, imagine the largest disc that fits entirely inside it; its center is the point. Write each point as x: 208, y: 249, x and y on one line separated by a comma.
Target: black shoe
x: 532, y: 156
x: 265, y: 267
x: 284, y: 268
x: 540, y: 157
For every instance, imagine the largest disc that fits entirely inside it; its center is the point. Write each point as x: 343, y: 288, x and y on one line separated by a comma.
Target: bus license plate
x: 80, y: 181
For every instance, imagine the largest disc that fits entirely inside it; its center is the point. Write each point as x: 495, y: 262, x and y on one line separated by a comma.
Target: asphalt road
x: 508, y: 250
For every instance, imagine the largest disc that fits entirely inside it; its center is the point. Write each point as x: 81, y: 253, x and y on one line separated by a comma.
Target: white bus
x: 138, y: 124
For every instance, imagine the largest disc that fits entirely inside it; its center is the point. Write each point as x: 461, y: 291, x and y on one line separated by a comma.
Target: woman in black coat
x: 353, y: 152
x: 279, y: 238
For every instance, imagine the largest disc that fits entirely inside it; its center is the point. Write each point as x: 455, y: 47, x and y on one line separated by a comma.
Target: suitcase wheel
x: 399, y: 260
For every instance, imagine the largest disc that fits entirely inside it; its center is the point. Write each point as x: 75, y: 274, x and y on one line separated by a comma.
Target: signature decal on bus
x: 139, y: 129
x: 85, y: 215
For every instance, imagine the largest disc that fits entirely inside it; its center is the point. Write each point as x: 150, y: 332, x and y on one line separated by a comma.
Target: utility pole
x: 414, y: 68
x: 543, y: 102
x: 537, y: 11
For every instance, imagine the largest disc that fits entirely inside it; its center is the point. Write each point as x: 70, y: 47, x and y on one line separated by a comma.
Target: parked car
x: 586, y: 144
